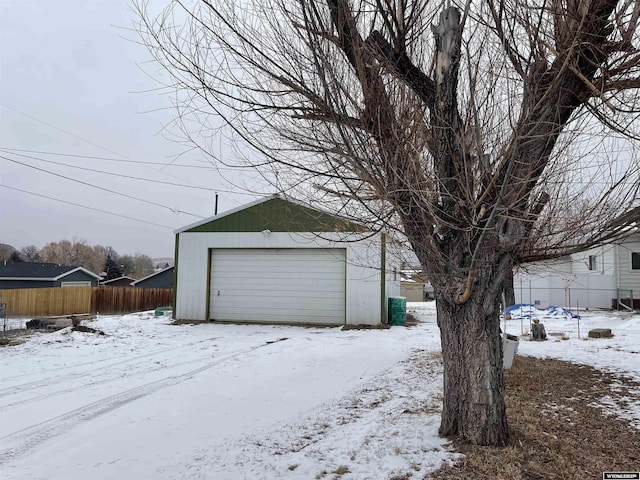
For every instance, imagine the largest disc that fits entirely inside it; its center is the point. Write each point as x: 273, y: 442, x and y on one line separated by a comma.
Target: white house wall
x: 565, y: 290
x: 394, y: 261
x: 628, y: 279
x: 363, y: 274
x: 570, y: 282
x: 565, y: 283
x: 614, y: 264
x: 605, y: 261
x: 537, y: 288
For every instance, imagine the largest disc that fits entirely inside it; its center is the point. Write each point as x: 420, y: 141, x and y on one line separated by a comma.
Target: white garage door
x: 278, y: 285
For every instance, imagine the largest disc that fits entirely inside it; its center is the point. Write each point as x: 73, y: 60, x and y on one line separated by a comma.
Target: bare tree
x: 489, y: 133
x: 143, y: 265
x: 5, y: 251
x: 76, y: 253
x: 31, y: 252
x: 128, y: 264
x: 136, y: 266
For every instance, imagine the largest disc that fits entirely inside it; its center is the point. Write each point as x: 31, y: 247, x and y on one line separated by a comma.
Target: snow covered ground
x: 154, y: 400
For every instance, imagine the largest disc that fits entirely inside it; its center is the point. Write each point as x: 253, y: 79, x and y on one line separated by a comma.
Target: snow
x: 567, y: 339
x: 619, y: 355
x: 153, y: 400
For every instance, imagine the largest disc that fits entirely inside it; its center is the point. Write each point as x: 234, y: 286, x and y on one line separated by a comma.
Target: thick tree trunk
x: 509, y: 290
x: 473, y: 403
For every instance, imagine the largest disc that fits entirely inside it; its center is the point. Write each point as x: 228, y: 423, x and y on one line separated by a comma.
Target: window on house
x: 75, y: 284
x: 635, y: 260
x: 593, y: 264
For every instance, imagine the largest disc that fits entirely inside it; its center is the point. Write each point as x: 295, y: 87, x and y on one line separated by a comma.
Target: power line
x: 73, y: 135
x: 126, y: 159
x: 10, y: 151
x: 61, y: 130
x: 112, y: 173
x: 174, y: 210
x: 110, y: 159
x: 86, y: 207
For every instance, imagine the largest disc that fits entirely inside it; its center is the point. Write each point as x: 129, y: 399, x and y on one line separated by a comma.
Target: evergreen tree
x: 112, y: 269
x: 15, y: 257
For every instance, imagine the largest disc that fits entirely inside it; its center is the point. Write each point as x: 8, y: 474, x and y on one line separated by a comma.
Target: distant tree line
x: 98, y: 258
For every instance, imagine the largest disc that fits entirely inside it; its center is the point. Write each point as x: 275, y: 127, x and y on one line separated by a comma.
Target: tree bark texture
x: 473, y: 399
x: 469, y: 278
x: 509, y: 291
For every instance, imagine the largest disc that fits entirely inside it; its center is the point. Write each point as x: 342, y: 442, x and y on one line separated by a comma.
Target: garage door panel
x: 269, y: 301
x: 281, y: 318
x: 288, y: 267
x: 278, y: 285
x: 323, y: 296
x: 258, y: 286
x: 245, y: 302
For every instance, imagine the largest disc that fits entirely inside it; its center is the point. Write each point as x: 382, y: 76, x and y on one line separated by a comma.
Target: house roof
x: 276, y: 214
x: 113, y: 280
x: 152, y: 275
x: 39, y: 271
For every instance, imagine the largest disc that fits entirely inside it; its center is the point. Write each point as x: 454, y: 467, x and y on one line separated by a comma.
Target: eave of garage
x: 276, y: 215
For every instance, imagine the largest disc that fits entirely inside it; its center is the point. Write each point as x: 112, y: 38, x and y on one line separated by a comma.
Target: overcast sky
x: 71, y: 83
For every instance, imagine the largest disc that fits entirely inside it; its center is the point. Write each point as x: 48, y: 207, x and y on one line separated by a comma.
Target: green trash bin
x: 160, y: 311
x: 397, y: 311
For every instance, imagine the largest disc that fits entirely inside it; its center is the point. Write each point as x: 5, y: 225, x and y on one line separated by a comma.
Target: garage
x: 276, y: 260
x: 292, y: 285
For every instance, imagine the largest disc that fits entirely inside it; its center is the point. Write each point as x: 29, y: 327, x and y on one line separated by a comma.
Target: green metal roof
x: 277, y: 215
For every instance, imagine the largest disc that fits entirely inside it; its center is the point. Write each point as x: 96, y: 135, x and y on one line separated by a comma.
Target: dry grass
x: 555, y: 434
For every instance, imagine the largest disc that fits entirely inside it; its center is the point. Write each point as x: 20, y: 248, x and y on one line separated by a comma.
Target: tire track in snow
x: 28, y: 438
x: 25, y: 387
x: 92, y: 383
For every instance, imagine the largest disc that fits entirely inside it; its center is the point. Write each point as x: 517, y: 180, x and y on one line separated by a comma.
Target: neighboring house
x: 277, y: 261
x: 41, y: 275
x: 411, y: 290
x: 415, y: 286
x: 162, y: 279
x: 606, y: 276
x: 123, y: 281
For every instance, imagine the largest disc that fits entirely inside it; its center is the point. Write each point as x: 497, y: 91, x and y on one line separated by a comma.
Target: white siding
x: 568, y: 282
x: 604, y: 261
x: 566, y: 290
x: 628, y: 279
x: 363, y: 273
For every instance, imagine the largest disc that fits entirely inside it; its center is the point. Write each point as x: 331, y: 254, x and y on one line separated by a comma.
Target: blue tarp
x: 526, y: 310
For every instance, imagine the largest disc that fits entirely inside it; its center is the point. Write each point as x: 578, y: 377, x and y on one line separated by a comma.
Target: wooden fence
x: 108, y: 300
x: 42, y: 302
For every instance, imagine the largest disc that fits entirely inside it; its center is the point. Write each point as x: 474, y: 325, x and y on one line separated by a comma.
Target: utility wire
x: 110, y: 159
x: 61, y: 130
x: 126, y: 159
x: 86, y: 207
x: 112, y: 173
x: 174, y: 210
x: 71, y: 134
x: 11, y: 151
